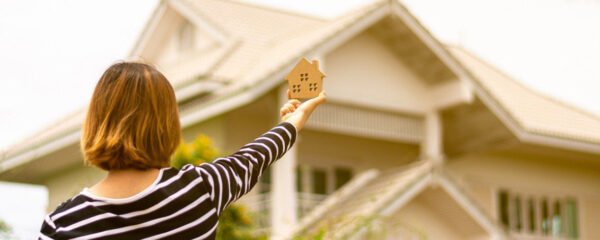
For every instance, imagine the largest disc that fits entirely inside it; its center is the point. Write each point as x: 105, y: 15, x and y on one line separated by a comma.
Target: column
x: 284, y: 199
x: 432, y: 147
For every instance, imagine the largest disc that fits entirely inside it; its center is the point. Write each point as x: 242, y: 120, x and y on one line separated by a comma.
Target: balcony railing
x: 259, y: 206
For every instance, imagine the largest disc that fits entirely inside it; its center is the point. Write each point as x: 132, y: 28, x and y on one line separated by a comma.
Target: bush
x: 5, y: 231
x: 234, y: 222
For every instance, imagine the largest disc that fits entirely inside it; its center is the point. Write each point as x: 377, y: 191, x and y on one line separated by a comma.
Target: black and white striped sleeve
x: 48, y: 228
x: 228, y: 178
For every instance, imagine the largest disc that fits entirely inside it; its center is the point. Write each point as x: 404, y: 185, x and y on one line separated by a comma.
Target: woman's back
x: 175, y: 205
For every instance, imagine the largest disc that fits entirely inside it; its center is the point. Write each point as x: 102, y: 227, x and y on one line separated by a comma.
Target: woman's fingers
x: 295, y: 102
x: 306, y: 108
x: 290, y: 107
x: 283, y: 111
x: 287, y: 108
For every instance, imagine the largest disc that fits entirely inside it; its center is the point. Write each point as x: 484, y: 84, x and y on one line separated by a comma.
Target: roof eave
x: 520, y: 131
x: 463, y: 73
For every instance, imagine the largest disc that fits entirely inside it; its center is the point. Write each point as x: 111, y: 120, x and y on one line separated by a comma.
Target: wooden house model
x: 305, y: 80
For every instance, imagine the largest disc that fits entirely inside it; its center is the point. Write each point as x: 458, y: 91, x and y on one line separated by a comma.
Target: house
x: 305, y: 80
x: 440, y: 145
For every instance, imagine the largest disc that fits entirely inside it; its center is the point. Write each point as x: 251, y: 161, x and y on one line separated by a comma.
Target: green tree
x: 234, y: 222
x: 5, y: 230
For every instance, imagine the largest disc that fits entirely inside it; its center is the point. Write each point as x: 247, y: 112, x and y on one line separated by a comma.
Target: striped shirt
x: 180, y: 204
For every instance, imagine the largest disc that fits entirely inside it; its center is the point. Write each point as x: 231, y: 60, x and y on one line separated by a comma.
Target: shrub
x: 234, y: 222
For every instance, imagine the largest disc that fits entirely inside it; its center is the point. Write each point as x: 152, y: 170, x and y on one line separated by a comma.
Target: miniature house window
x: 539, y: 216
x: 186, y: 36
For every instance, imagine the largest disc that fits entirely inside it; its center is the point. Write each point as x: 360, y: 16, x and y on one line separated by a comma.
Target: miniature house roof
x: 305, y: 64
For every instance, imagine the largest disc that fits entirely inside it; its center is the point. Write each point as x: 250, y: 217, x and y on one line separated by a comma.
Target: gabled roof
x: 526, y: 109
x: 263, y: 44
x: 379, y: 194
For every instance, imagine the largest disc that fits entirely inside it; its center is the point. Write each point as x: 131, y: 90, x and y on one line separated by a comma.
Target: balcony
x: 259, y: 205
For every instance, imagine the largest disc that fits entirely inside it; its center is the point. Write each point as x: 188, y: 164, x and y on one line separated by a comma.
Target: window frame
x: 538, y: 197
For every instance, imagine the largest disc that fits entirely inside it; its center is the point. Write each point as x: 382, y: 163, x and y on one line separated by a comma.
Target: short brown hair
x: 132, y: 120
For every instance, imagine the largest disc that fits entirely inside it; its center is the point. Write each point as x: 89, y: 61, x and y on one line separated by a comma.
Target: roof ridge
x: 199, y: 13
x: 358, y: 8
x: 522, y: 85
x: 273, y: 9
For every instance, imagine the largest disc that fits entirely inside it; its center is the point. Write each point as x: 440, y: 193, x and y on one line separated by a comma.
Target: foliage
x: 371, y: 227
x: 4, y: 227
x: 198, y: 151
x: 320, y: 235
x: 234, y: 222
x: 5, y: 230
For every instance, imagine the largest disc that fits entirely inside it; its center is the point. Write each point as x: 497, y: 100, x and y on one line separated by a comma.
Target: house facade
x: 418, y: 140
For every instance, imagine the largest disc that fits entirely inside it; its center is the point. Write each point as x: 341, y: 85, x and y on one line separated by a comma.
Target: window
x: 265, y: 181
x: 186, y: 36
x: 571, y: 219
x: 503, y: 203
x: 299, y: 183
x: 557, y: 220
x: 543, y: 216
x: 314, y: 183
x: 531, y: 219
x: 319, y: 180
x: 517, y: 224
x: 342, y: 176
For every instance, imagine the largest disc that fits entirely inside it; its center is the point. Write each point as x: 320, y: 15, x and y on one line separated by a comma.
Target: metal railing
x: 259, y: 206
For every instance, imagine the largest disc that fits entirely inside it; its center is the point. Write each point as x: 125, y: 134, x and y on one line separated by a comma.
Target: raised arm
x: 231, y: 177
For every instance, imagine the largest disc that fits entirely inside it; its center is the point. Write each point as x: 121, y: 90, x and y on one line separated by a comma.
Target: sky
x: 24, y: 219
x: 53, y: 52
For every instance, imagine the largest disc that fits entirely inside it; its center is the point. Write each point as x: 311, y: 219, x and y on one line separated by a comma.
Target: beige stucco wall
x: 213, y: 128
x: 419, y: 219
x: 484, y: 174
x: 320, y: 148
x: 433, y: 214
x: 69, y: 182
x: 366, y: 72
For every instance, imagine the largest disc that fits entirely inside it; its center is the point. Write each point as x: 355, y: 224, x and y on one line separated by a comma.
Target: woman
x: 131, y: 130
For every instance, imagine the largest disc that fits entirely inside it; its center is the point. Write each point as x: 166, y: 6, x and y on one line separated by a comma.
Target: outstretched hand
x: 297, y: 113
